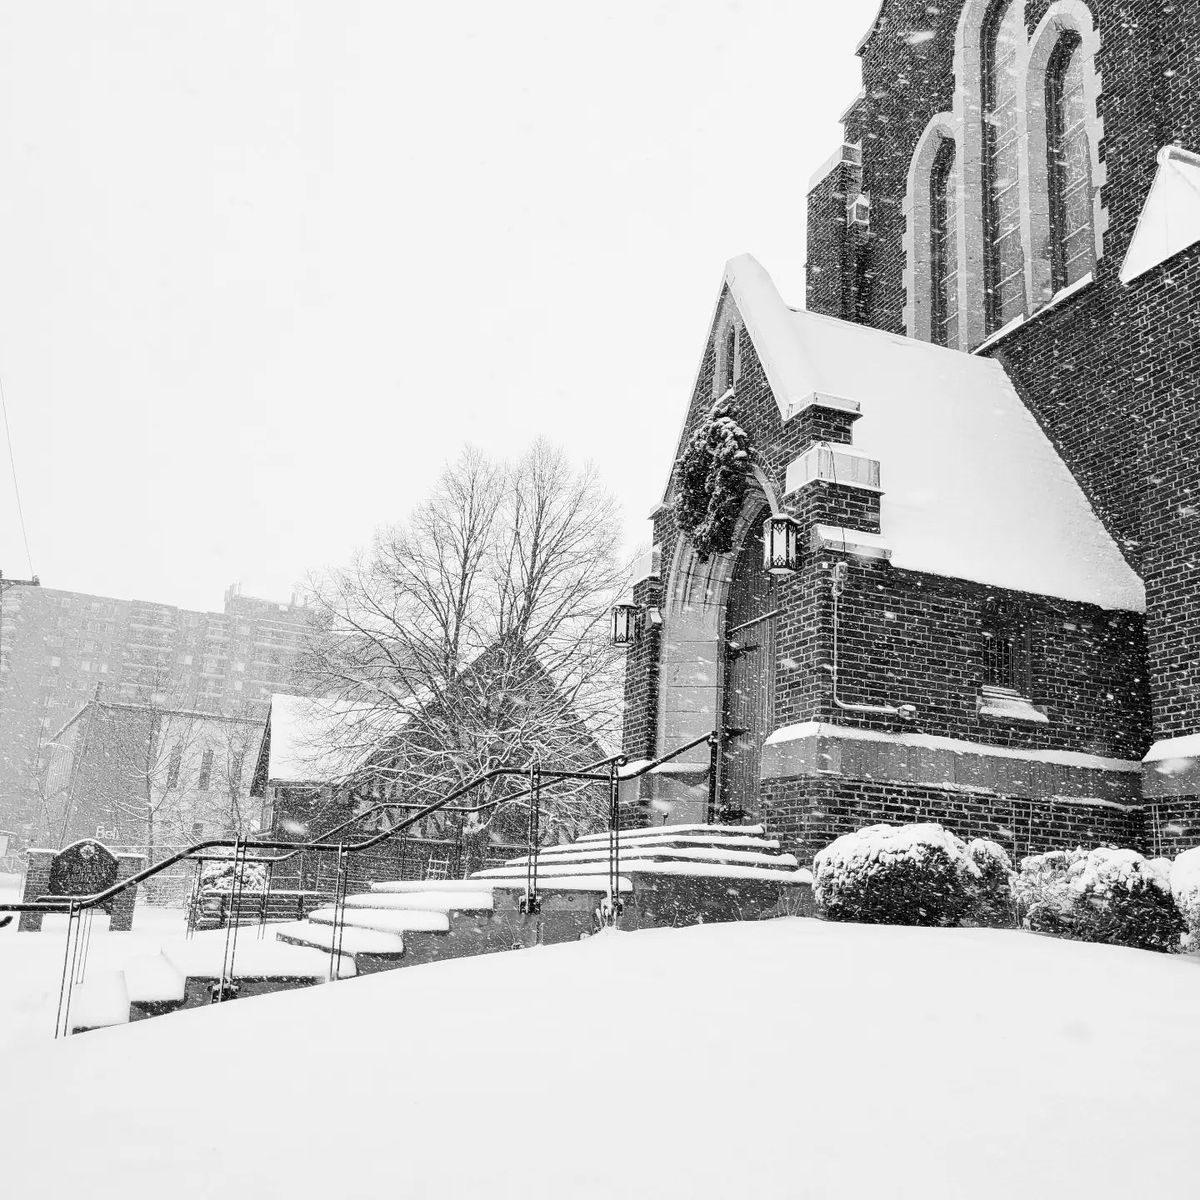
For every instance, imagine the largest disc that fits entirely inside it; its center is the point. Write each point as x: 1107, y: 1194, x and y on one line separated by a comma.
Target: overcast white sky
x: 264, y: 267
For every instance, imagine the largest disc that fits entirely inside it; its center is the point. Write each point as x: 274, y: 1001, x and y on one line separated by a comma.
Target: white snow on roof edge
x: 1170, y: 218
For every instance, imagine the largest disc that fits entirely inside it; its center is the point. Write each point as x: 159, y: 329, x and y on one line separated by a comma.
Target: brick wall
x: 807, y: 814
x: 826, y: 282
x: 906, y: 636
x: 641, y: 679
x: 1111, y: 372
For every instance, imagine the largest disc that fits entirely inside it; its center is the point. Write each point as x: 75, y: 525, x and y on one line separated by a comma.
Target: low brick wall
x: 807, y: 814
x: 37, y: 883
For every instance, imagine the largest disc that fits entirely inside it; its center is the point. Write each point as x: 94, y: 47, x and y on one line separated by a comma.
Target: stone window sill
x: 1004, y: 704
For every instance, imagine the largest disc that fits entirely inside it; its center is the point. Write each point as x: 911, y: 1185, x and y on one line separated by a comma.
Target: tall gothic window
x: 943, y: 248
x: 731, y: 349
x: 1072, y: 242
x: 1004, y: 260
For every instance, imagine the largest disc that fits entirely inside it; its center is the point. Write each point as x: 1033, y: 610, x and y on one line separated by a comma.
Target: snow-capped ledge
x: 850, y: 541
x: 649, y: 566
x: 1005, y: 704
x: 815, y: 748
x: 1173, y: 767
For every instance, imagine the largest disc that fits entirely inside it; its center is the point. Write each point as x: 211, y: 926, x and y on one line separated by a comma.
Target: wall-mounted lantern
x: 781, y: 545
x: 624, y: 623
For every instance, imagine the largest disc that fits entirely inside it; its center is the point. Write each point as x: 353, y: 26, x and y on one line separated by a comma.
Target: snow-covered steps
x: 657, y: 853
x: 429, y: 922
x: 350, y: 939
x: 477, y: 899
x: 99, y: 1002
x: 677, y: 875
x: 449, y: 887
x: 704, y: 831
x: 155, y: 985
x: 384, y: 920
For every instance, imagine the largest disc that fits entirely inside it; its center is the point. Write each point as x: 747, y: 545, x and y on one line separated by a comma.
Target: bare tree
x: 474, y: 635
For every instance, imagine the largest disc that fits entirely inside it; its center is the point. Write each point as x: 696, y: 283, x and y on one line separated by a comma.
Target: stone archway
x: 692, y: 668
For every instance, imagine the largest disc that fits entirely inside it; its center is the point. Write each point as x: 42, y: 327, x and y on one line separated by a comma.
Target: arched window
x: 943, y: 248
x: 1069, y: 165
x: 1004, y: 259
x: 731, y: 355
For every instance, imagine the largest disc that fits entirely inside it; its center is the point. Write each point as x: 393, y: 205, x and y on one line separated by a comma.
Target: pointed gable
x: 1170, y: 218
x: 972, y: 487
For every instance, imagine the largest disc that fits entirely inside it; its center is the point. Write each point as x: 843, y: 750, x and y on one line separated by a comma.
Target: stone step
x: 584, y: 874
x: 352, y: 941
x: 479, y: 900
x: 665, y: 839
x: 386, y: 920
x: 99, y: 1002
x: 676, y: 830
x: 563, y: 884
x: 154, y: 979
x: 639, y: 853
x: 400, y: 886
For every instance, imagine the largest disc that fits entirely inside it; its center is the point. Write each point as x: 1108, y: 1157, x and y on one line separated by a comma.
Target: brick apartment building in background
x: 61, y: 650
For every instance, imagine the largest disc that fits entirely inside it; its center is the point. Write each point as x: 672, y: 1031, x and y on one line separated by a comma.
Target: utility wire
x: 16, y: 486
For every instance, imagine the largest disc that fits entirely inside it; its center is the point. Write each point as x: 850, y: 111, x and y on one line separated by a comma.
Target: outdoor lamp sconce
x: 624, y: 623
x: 781, y: 545
x: 628, y: 619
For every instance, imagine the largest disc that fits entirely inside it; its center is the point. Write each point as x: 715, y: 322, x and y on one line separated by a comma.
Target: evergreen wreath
x: 712, y: 475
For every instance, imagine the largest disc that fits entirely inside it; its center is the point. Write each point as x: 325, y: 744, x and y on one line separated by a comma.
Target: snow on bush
x: 992, y: 902
x: 897, y: 875
x: 1185, y: 887
x: 218, y: 876
x: 1105, y: 895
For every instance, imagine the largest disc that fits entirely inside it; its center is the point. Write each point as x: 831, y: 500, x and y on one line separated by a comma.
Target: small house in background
x: 148, y: 777
x: 305, y: 782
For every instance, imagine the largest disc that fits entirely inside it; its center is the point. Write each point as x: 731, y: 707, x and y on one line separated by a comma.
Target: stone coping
x: 819, y: 750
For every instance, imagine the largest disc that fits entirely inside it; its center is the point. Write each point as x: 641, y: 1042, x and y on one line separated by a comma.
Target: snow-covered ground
x: 788, y: 1058
x: 31, y: 964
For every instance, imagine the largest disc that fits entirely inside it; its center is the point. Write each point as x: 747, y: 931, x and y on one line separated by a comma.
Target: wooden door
x: 749, y: 679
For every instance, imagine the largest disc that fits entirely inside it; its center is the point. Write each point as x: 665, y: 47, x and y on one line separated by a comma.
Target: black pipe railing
x: 61, y: 905
x: 75, y: 907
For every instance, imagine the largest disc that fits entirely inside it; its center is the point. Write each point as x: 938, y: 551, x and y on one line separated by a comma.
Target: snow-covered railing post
x: 614, y: 848
x: 226, y: 987
x: 530, y: 902
x: 337, y: 934
x: 714, y: 759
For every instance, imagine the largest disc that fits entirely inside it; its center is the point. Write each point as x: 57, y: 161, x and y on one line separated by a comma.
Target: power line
x: 16, y: 486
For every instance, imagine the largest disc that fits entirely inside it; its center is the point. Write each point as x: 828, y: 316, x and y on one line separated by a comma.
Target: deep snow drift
x: 786, y: 1058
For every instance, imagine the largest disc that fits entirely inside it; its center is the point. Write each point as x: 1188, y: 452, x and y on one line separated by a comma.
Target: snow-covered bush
x: 896, y: 875
x: 1185, y: 887
x: 992, y: 888
x: 218, y: 876
x: 1105, y: 895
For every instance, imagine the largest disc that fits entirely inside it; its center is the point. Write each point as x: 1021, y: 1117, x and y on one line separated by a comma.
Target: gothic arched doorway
x: 749, y: 662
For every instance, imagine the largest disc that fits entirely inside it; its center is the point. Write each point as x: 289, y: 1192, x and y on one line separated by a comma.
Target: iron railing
x: 80, y: 910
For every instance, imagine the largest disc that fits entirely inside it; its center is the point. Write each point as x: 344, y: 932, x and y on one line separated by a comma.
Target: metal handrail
x: 81, y: 903
x: 470, y: 808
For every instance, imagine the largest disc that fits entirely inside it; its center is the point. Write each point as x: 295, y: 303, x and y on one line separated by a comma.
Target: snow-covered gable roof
x: 972, y: 487
x: 1170, y: 218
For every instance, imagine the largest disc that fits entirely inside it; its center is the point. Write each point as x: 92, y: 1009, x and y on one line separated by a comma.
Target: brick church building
x: 986, y: 424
